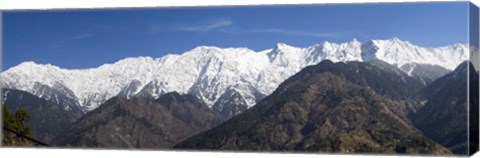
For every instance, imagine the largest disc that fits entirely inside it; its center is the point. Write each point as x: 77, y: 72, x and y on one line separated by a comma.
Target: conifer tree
x: 19, y: 122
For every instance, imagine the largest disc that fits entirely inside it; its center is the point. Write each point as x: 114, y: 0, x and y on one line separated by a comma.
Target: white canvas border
x: 7, y: 5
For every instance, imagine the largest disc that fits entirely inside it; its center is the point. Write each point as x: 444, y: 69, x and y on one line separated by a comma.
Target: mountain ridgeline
x: 140, y: 123
x: 329, y: 107
x: 230, y: 78
x: 444, y: 116
x: 379, y: 96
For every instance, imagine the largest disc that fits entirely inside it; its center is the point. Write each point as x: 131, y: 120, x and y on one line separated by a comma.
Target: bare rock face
x: 140, y: 123
x: 323, y: 109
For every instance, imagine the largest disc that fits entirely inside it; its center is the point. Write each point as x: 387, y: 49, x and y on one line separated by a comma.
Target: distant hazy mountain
x: 48, y: 119
x: 424, y: 72
x: 140, y: 123
x: 326, y: 108
x: 444, y: 116
x: 218, y: 76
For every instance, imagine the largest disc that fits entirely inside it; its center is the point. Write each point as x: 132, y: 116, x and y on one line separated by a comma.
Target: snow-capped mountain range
x: 210, y: 72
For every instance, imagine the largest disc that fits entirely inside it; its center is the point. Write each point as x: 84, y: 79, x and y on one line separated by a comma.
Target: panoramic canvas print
x: 374, y: 78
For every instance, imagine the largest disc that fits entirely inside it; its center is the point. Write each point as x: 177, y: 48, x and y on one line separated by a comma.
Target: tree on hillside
x: 18, y: 122
x: 23, y: 118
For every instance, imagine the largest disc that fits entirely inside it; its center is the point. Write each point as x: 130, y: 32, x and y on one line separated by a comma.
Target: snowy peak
x: 31, y: 66
x: 282, y: 46
x: 349, y: 51
x: 282, y: 50
x: 208, y: 72
x: 211, y: 50
x: 354, y: 40
x: 203, y: 50
x: 28, y: 64
x: 131, y: 89
x: 398, y: 52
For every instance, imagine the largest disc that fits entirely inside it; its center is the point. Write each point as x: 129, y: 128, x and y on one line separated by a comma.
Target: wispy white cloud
x: 206, y: 26
x: 76, y: 37
x: 112, y: 27
x: 81, y: 36
x: 227, y: 26
x: 285, y: 32
x: 203, y: 26
x: 296, y: 33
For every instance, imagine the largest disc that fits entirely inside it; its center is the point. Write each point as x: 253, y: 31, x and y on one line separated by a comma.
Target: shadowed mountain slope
x: 444, y: 116
x: 323, y: 109
x: 47, y: 118
x: 141, y: 123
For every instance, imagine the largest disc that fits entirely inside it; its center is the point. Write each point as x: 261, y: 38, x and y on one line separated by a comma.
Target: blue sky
x: 89, y: 38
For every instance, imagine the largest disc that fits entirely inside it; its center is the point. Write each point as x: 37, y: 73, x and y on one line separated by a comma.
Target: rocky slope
x: 48, y: 119
x: 140, y: 123
x: 322, y: 109
x: 444, y: 116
